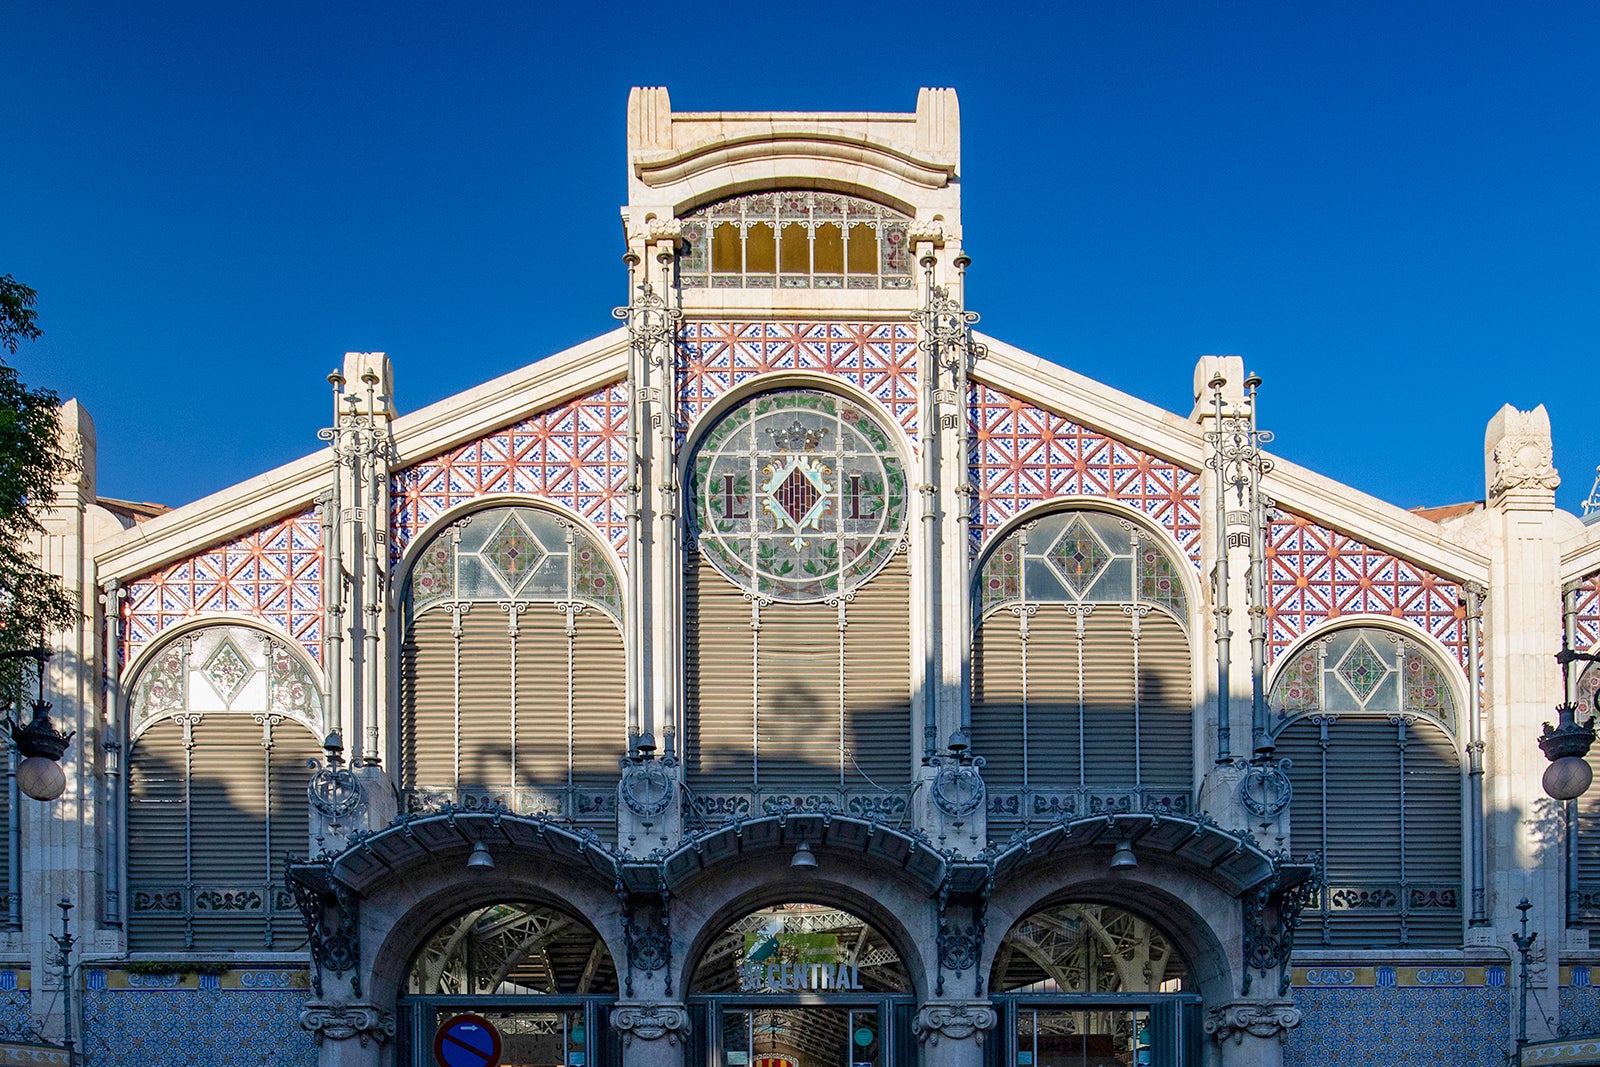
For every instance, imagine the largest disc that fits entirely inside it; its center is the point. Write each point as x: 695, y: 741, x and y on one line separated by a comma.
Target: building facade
x: 796, y: 677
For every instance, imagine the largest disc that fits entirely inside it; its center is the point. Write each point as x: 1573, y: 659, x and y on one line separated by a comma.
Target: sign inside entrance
x: 779, y: 960
x: 467, y: 1041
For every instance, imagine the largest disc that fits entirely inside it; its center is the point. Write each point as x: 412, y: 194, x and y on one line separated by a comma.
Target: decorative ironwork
x: 334, y: 791
x: 1265, y: 790
x: 332, y: 917
x: 648, y: 786
x: 1272, y: 915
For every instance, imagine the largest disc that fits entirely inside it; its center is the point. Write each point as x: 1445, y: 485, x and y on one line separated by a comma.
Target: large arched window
x: 223, y: 722
x: 1368, y: 720
x: 1081, y: 698
x: 795, y: 239
x: 798, y: 651
x: 512, y: 684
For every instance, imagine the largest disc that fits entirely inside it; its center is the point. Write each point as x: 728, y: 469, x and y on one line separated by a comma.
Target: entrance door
x: 1092, y: 985
x: 801, y: 985
x: 531, y: 979
x: 1045, y: 1031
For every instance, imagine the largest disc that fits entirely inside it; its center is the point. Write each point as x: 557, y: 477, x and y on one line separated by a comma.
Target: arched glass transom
x: 226, y: 668
x: 795, y: 240
x: 513, y: 949
x: 798, y: 496
x: 797, y: 947
x: 1363, y: 669
x: 1086, y: 948
x: 513, y: 554
x: 1076, y: 557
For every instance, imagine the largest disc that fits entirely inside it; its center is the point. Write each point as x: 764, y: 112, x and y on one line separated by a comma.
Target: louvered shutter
x: 599, y: 717
x: 427, y: 707
x: 718, y: 668
x: 1433, y: 847
x: 1053, y: 700
x: 542, y: 692
x: 1356, y: 820
x: 156, y: 839
x: 798, y: 738
x: 1166, y: 708
x: 877, y: 680
x: 1108, y: 684
x: 997, y: 675
x: 486, y: 701
x: 227, y: 795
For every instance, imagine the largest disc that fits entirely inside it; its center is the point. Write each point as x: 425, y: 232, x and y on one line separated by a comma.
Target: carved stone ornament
x: 958, y: 789
x: 341, y: 1022
x: 1523, y: 457
x: 647, y: 788
x: 651, y: 1022
x: 956, y: 1021
x: 1258, y: 1018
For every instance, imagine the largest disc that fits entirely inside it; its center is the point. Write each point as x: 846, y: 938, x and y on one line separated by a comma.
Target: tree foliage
x: 33, y: 604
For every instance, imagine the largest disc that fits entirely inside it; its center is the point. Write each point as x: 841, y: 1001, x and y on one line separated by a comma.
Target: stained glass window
x: 798, y: 496
x: 1363, y: 669
x: 1080, y: 557
x: 226, y: 668
x: 513, y: 554
x: 795, y: 240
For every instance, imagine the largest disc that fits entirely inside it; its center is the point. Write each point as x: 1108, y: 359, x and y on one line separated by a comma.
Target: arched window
x: 1081, y: 698
x: 797, y: 599
x: 512, y: 677
x: 795, y: 240
x: 223, y: 721
x: 1367, y: 719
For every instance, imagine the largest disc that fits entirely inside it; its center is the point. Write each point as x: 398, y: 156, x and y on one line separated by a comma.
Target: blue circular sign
x: 467, y: 1041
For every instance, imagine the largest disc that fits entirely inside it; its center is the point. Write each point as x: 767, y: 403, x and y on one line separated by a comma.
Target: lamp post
x: 38, y: 741
x: 1524, y: 942
x: 1567, y: 742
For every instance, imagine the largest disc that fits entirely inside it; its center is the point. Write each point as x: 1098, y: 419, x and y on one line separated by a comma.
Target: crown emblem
x: 797, y: 437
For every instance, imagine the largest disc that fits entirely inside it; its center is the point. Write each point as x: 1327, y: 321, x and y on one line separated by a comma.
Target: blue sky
x: 1392, y: 211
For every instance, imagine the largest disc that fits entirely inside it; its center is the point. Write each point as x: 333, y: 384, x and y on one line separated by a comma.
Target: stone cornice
x: 766, y: 143
x: 294, y: 486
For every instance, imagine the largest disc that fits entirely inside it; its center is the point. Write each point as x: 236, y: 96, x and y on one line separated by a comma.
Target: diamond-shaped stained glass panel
x: 1079, y: 557
x: 513, y: 554
x: 1362, y: 669
x: 227, y: 670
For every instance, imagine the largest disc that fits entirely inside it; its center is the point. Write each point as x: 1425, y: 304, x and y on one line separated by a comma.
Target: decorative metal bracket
x: 960, y: 946
x: 333, y: 920
x: 1272, y: 915
x: 649, y: 943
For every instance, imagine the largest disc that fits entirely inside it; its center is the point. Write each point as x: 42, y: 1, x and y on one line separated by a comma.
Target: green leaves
x: 32, y: 461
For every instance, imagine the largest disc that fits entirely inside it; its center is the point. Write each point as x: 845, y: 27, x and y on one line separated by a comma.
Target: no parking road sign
x: 467, y: 1041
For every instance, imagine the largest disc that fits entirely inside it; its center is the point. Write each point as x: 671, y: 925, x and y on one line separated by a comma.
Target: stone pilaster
x: 1522, y: 624
x: 1251, y: 1033
x: 654, y: 1034
x: 349, y: 1035
x: 952, y: 1032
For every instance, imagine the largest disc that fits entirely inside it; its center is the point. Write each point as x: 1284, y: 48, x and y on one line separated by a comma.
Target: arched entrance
x: 1093, y: 985
x: 539, y: 976
x: 800, y: 984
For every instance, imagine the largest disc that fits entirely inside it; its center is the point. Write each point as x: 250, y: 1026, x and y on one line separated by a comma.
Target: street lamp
x: 38, y: 741
x: 1567, y: 742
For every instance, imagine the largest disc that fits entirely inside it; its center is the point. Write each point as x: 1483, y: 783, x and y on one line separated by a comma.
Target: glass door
x: 1161, y: 1031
